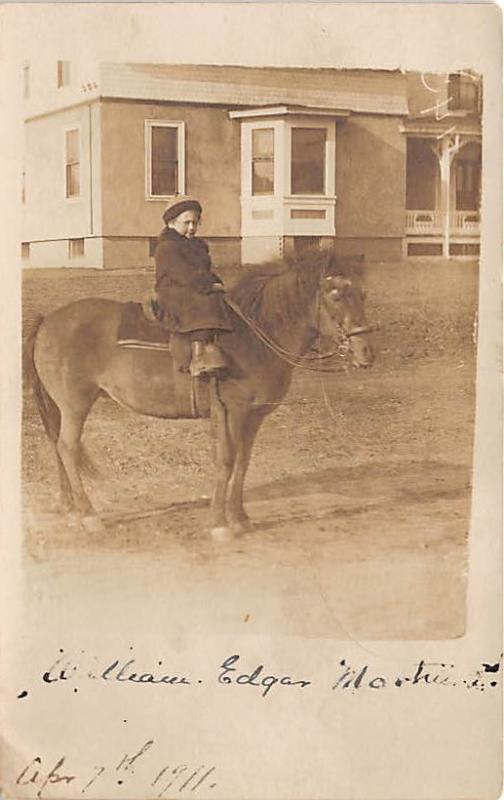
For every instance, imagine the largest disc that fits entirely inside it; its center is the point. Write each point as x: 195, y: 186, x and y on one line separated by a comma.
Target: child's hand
x: 218, y: 287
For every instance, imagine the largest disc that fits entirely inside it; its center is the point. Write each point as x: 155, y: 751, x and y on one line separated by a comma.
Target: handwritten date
x: 180, y: 778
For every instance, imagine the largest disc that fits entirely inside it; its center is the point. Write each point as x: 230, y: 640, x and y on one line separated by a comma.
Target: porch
x: 443, y: 182
x: 423, y: 222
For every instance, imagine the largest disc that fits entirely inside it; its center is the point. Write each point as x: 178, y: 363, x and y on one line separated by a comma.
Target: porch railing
x: 425, y: 222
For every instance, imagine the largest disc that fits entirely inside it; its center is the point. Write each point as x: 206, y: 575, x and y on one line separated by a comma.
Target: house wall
x: 50, y: 219
x: 213, y: 179
x: 44, y: 95
x: 426, y: 91
x: 370, y: 186
x: 55, y: 253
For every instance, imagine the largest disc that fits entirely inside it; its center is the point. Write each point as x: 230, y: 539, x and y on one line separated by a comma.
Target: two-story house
x: 363, y: 161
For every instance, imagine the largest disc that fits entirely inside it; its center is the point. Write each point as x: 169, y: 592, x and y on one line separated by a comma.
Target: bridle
x: 306, y: 361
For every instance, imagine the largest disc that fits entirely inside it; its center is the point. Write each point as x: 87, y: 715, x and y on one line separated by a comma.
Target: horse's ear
x: 312, y: 265
x: 351, y: 267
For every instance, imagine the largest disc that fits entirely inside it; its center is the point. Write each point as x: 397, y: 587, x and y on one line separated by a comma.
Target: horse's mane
x: 275, y: 294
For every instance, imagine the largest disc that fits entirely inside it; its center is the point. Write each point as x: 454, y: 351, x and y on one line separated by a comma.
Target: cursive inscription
x: 230, y: 671
x: 36, y: 775
x: 182, y: 778
x: 255, y: 677
x: 124, y: 672
x: 64, y: 669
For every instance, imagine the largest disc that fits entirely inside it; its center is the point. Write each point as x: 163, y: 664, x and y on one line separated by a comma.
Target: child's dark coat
x: 184, y: 279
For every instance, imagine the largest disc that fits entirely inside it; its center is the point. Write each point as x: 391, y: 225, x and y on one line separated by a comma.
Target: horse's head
x: 342, y: 303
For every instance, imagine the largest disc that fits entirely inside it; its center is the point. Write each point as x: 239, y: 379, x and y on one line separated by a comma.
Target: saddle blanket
x: 138, y: 331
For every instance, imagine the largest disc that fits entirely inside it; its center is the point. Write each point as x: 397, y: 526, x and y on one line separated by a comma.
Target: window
x: 25, y: 250
x: 26, y: 81
x: 308, y: 160
x: 72, y: 163
x: 464, y: 92
x: 263, y: 161
x: 464, y: 249
x: 288, y: 174
x: 165, y: 159
x: 467, y: 177
x: 75, y: 248
x: 63, y: 73
x: 425, y: 249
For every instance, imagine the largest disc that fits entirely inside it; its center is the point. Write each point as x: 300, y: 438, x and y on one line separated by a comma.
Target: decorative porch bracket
x: 445, y: 148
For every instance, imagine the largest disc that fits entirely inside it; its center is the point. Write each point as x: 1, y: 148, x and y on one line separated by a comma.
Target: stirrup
x: 207, y: 359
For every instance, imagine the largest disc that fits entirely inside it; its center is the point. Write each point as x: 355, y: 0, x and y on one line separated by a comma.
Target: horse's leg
x: 66, y: 494
x: 67, y: 447
x: 223, y: 460
x: 244, y: 435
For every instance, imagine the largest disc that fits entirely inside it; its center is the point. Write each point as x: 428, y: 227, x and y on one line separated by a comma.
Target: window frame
x: 63, y: 74
x: 322, y: 193
x: 456, y: 82
x: 75, y: 243
x: 253, y: 160
x: 72, y: 197
x: 179, y: 126
x: 329, y: 157
x: 247, y: 129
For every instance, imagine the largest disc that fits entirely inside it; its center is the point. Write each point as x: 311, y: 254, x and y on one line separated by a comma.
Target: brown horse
x: 75, y: 358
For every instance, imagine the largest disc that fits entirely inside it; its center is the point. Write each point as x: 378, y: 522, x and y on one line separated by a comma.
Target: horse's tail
x: 47, y: 408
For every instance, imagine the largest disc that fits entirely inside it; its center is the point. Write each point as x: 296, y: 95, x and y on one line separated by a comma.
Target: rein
x: 304, y: 362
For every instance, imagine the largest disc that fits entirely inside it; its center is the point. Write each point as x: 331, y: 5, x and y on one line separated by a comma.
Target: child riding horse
x: 188, y: 291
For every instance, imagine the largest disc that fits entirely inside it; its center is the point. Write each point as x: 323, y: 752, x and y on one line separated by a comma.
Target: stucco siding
x: 380, y: 249
x: 212, y: 168
x: 55, y: 253
x: 47, y: 212
x: 370, y: 177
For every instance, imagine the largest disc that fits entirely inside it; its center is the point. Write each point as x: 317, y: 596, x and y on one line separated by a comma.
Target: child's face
x: 186, y: 224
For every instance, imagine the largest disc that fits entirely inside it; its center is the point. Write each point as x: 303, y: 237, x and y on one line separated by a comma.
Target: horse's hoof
x: 65, y: 505
x: 93, y: 524
x: 241, y: 526
x: 222, y: 534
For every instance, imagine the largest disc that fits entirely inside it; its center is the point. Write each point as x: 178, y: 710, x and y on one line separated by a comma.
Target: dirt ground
x: 359, y: 488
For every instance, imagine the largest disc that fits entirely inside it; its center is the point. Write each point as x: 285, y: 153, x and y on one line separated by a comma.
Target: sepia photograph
x: 250, y: 307
x: 253, y: 444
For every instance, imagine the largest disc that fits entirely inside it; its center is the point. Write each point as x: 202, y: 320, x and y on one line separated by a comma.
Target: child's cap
x: 178, y: 205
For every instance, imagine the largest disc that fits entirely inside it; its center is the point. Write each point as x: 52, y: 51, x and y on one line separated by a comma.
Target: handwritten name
x: 255, y: 678
x: 118, y: 670
x: 126, y: 671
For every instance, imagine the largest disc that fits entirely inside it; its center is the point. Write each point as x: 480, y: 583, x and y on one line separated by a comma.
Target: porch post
x: 444, y: 164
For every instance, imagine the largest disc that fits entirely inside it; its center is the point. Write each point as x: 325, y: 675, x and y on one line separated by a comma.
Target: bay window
x: 308, y: 160
x: 288, y: 179
x: 263, y: 161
